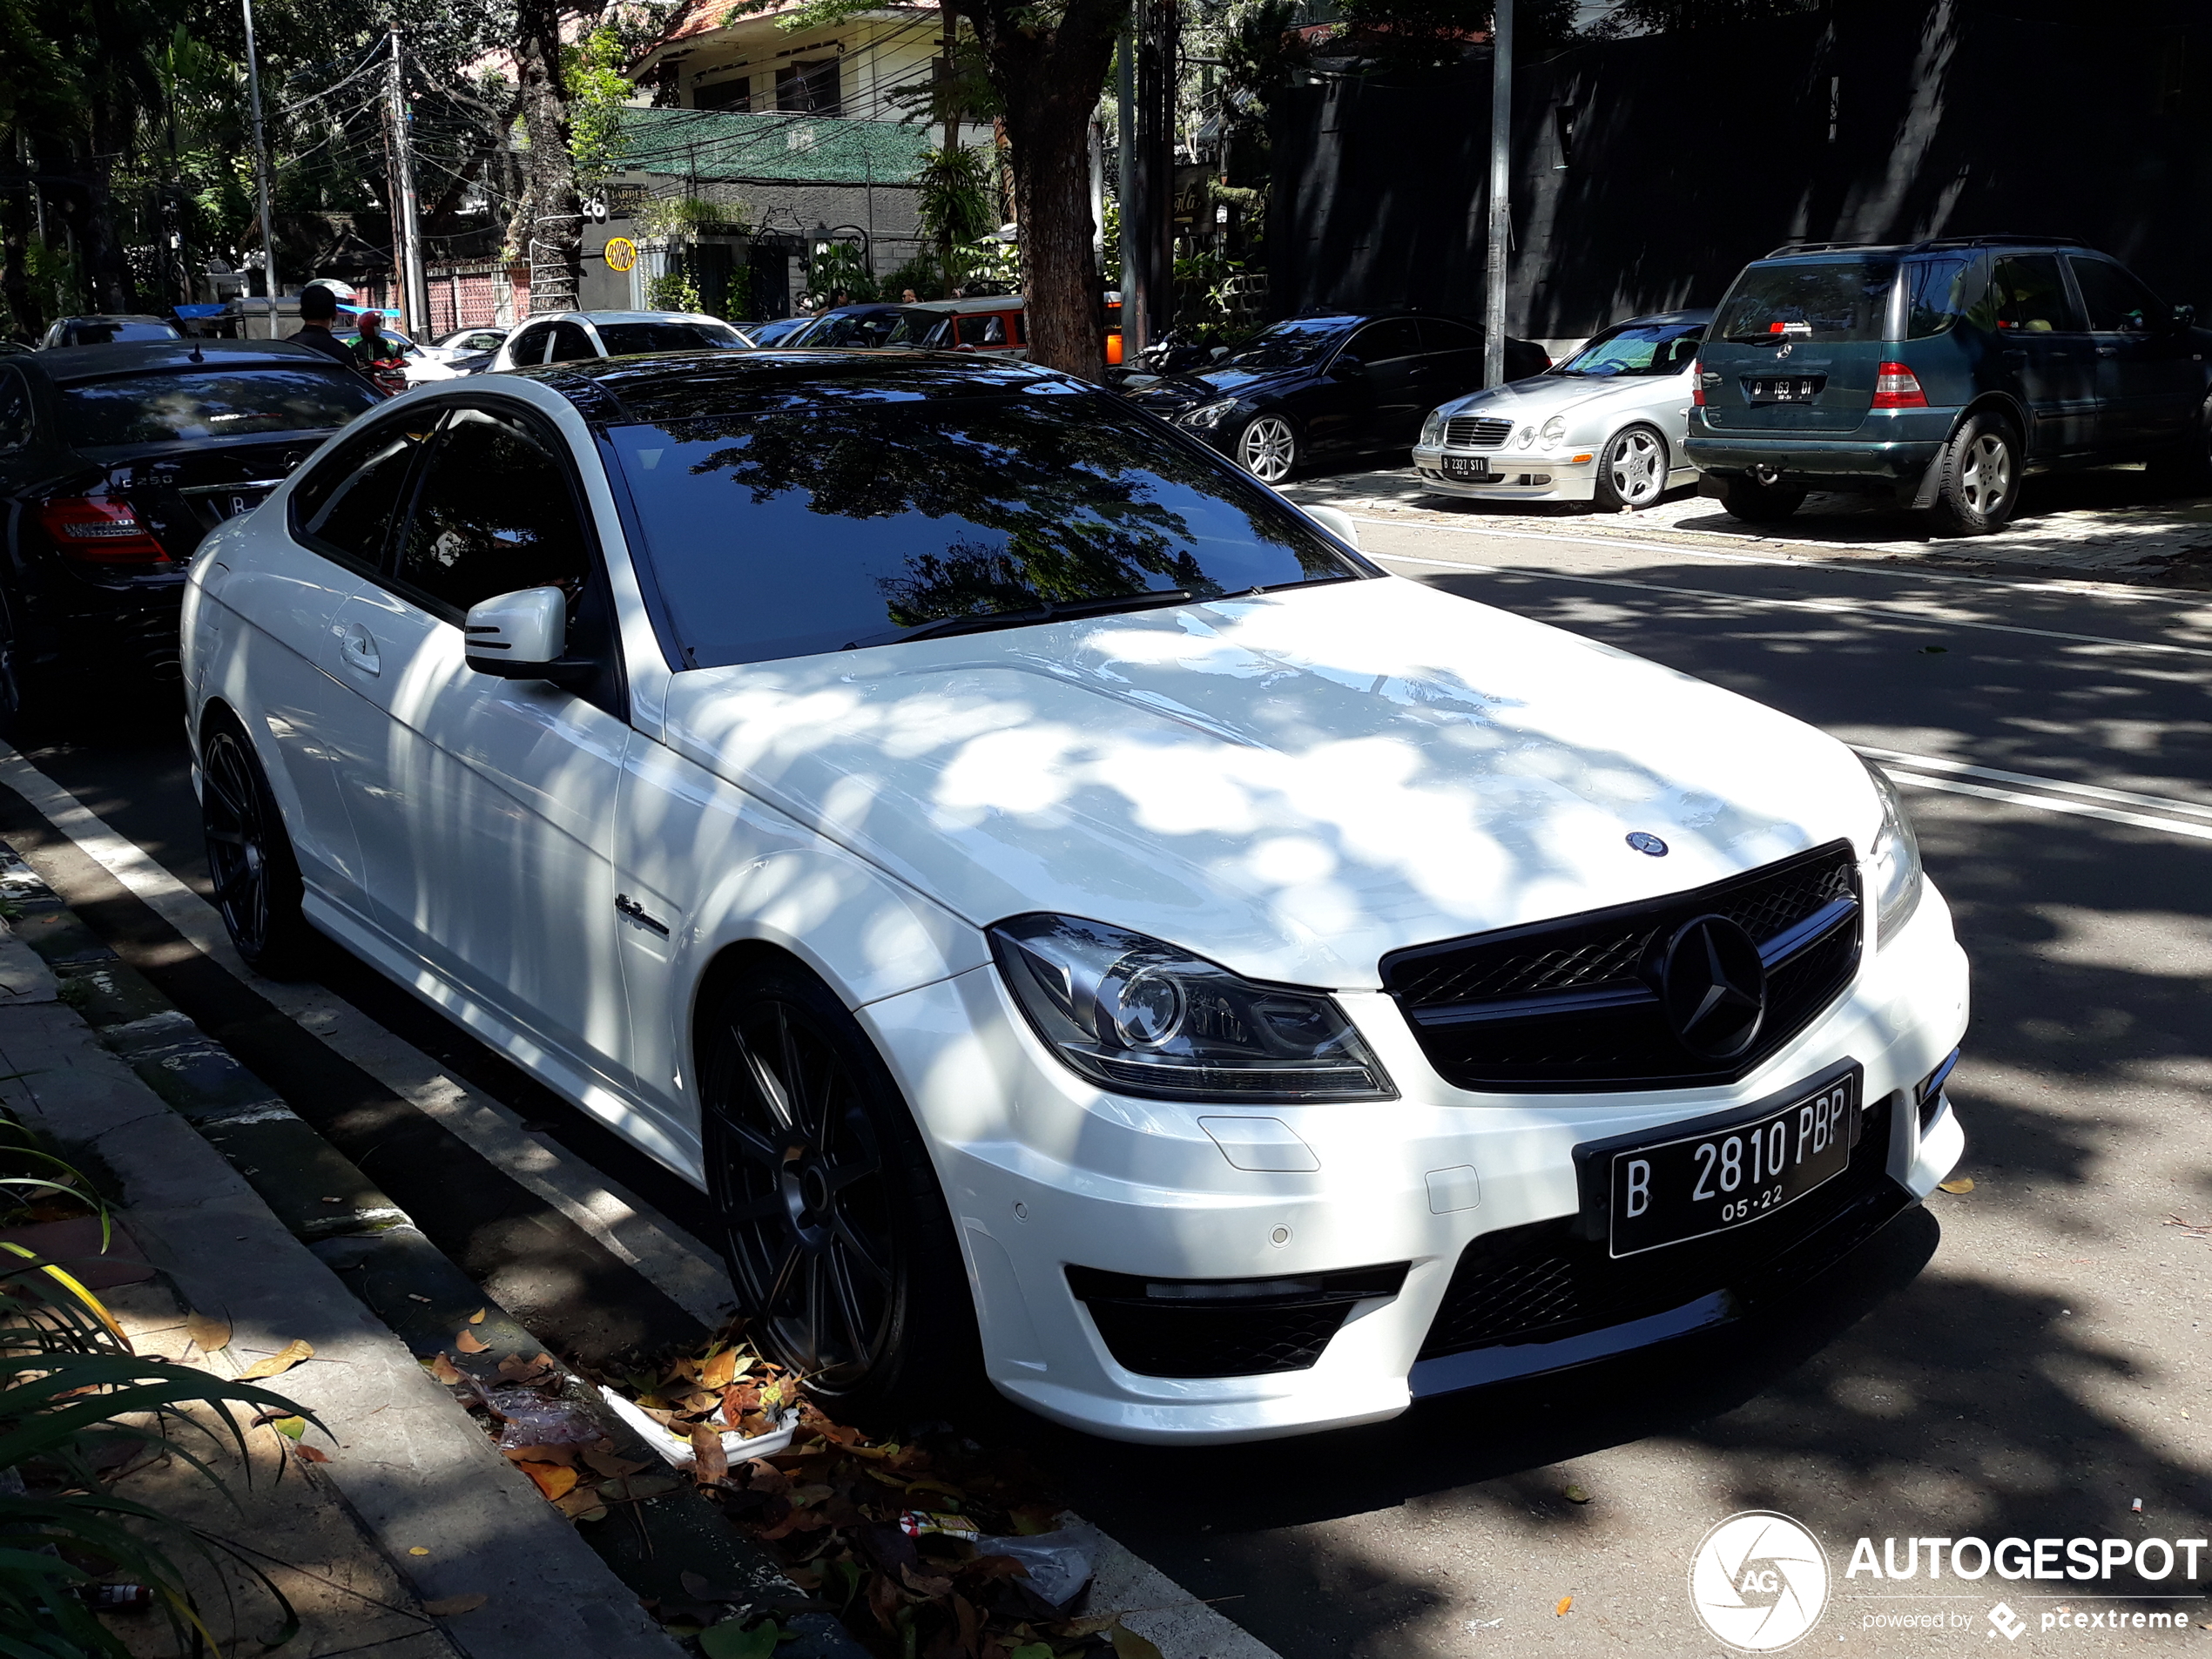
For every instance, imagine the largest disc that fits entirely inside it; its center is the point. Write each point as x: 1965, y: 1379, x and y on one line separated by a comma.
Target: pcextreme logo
x: 1759, y: 1582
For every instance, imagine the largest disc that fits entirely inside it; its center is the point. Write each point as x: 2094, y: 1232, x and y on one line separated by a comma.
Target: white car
x: 468, y: 343
x: 578, y: 337
x: 1246, y: 990
x: 1607, y: 425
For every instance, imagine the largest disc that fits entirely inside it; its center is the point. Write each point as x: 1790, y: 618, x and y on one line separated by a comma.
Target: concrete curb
x: 255, y: 1216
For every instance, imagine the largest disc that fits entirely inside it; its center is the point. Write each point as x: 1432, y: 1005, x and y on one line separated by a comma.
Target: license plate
x: 233, y: 502
x: 1800, y: 389
x: 1699, y: 1184
x: 1460, y: 467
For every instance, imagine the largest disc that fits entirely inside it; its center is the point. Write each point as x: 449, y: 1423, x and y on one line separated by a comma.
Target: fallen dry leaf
x: 710, y: 1464
x: 551, y: 1479
x: 466, y: 1341
x: 607, y: 1464
x: 309, y: 1454
x: 580, y: 1502
x: 477, y: 1317
x: 277, y: 1363
x: 1963, y: 1183
x: 1577, y: 1493
x: 442, y: 1369
x: 564, y: 1455
x: 416, y: 1550
x: 447, y: 1606
x: 721, y: 1371
x: 1129, y: 1645
x: 211, y: 1332
x: 1565, y: 1603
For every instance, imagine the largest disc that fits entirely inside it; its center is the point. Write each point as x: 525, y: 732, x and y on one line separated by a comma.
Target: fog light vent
x: 1928, y: 1095
x: 1237, y: 1327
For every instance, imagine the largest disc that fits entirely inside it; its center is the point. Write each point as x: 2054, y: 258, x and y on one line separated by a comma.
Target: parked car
x: 1938, y: 373
x: 480, y: 341
x: 105, y: 331
x: 778, y: 331
x: 1342, y: 383
x: 114, y: 462
x: 994, y: 323
x: 1078, y: 903
x: 576, y: 336
x: 867, y: 327
x: 1605, y: 426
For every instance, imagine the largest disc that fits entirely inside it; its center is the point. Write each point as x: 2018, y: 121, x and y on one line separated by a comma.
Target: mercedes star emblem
x: 1645, y: 841
x: 1713, y: 987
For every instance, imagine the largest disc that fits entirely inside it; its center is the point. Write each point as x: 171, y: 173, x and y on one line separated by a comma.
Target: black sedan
x: 867, y: 328
x: 114, y: 461
x: 1326, y: 385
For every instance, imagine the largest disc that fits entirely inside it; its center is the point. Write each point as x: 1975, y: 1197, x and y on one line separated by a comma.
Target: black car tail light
x: 96, y: 530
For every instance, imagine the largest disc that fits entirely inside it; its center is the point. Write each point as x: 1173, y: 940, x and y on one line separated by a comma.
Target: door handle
x: 359, y: 648
x: 2108, y: 351
x: 2015, y: 356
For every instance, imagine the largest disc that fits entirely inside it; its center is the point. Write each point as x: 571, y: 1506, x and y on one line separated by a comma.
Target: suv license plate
x: 1473, y: 472
x: 1673, y: 1190
x: 1802, y: 390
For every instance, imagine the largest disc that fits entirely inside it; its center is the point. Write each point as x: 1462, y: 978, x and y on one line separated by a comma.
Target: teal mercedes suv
x: 1941, y: 372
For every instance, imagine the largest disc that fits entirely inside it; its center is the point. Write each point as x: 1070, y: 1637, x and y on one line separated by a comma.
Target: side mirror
x: 1347, y: 369
x: 519, y: 635
x: 1336, y: 522
x: 2184, y: 316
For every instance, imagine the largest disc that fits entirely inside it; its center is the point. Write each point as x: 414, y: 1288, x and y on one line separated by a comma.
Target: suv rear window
x: 230, y: 403
x: 1826, y: 299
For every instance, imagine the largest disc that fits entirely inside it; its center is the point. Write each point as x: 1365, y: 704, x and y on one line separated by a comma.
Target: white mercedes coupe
x: 1071, y: 912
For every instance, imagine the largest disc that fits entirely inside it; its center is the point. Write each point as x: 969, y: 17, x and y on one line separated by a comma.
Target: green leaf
x: 1129, y: 1645
x: 730, y: 1639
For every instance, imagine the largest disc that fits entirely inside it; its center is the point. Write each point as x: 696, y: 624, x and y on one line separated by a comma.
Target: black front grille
x: 1545, y: 1281
x: 1573, y: 1004
x: 1224, y: 1327
x: 1471, y: 432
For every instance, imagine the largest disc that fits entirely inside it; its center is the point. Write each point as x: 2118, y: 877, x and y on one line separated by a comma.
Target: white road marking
x: 679, y: 1266
x: 1914, y: 573
x: 2092, y: 791
x: 2054, y: 804
x: 1894, y: 610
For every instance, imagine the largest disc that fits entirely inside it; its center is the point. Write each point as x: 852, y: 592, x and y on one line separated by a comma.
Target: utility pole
x: 415, y: 300
x: 261, y: 171
x: 1493, y: 299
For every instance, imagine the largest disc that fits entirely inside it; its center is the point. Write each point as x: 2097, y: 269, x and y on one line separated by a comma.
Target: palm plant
x: 74, y: 1401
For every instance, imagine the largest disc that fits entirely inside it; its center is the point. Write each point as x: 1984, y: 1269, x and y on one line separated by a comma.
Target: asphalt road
x: 2027, y: 1359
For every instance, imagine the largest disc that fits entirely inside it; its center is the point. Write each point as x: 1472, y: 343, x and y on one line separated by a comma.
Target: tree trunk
x: 552, y: 222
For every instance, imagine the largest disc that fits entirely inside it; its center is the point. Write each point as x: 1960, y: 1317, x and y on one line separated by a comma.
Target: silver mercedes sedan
x: 1606, y: 425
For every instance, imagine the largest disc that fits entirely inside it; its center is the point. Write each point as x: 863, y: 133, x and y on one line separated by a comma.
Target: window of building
x: 736, y: 93
x: 809, y: 87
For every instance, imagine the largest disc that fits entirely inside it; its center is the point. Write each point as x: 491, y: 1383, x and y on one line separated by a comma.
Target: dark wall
x: 1692, y: 154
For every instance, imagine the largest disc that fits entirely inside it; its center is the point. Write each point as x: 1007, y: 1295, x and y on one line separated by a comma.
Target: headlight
x: 1141, y: 1017
x: 1210, y: 414
x: 1526, y: 437
x: 1894, y: 861
x: 1555, y: 428
x: 1433, y: 429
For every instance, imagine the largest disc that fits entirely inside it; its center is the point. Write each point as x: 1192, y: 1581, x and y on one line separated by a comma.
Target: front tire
x: 258, y: 890
x: 1757, y: 504
x: 1267, y: 448
x: 1977, y: 480
x: 838, y: 1239
x: 1632, y: 471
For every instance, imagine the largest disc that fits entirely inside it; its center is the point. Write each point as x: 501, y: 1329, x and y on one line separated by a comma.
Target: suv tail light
x: 100, y: 530
x: 1698, y: 382
x: 1897, y: 387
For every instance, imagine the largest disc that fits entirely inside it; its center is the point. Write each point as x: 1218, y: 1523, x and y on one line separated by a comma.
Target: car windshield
x: 105, y: 332
x: 813, y: 524
x: 873, y: 331
x: 783, y: 331
x: 1845, y: 298
x: 211, y: 403
x: 1296, y: 344
x: 626, y: 338
x: 1636, y: 348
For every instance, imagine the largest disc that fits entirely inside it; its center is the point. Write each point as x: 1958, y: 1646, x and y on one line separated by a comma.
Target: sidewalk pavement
x: 414, y: 1504
x: 2107, y: 525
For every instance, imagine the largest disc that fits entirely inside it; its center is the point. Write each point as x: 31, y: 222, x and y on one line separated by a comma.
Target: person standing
x: 318, y: 310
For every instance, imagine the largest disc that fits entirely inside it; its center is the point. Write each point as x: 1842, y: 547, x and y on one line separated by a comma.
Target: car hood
x: 1290, y: 785
x: 1207, y: 386
x: 1542, y: 396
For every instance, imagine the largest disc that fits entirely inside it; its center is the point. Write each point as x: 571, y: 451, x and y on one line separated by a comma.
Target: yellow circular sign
x: 622, y: 254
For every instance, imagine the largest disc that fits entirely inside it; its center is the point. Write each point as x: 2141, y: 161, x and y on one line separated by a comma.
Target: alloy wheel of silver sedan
x: 1633, y: 471
x: 1267, y: 449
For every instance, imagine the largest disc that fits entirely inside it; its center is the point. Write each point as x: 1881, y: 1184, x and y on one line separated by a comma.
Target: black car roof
x: 1664, y: 319
x: 1793, y: 250
x: 65, y: 365
x: 676, y: 386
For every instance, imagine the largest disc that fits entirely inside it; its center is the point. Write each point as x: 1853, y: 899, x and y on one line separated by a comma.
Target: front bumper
x: 1042, y: 1172
x: 1517, y: 475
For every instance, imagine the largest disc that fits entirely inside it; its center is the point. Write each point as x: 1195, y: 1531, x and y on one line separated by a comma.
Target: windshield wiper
x: 983, y: 622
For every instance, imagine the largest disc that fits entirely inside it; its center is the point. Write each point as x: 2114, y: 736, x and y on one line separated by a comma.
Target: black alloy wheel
x: 249, y: 856
x: 15, y: 672
x: 837, y: 1237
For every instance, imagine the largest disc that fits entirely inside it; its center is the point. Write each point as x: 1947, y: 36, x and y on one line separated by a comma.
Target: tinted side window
x: 15, y: 412
x: 2029, y: 297
x: 1439, y: 334
x: 346, y: 506
x: 1379, y: 342
x: 570, y: 344
x: 2115, y: 302
x: 529, y: 346
x: 494, y: 514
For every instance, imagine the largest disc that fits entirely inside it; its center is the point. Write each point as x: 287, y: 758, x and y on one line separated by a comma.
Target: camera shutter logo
x: 1759, y: 1582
